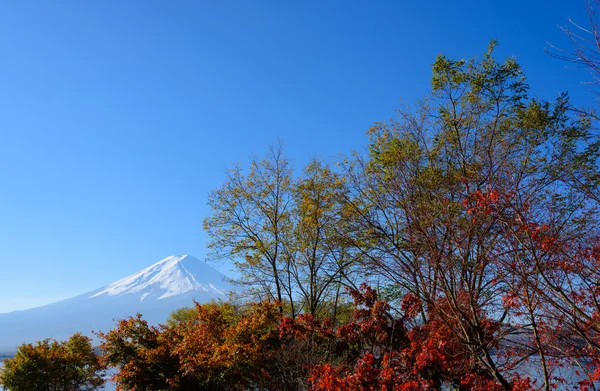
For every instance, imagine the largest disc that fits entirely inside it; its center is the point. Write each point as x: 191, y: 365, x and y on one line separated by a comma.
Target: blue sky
x: 118, y: 118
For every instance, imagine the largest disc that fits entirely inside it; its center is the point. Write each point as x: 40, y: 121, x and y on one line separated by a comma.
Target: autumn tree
x: 250, y: 223
x: 223, y: 352
x: 143, y: 356
x: 425, y: 202
x: 70, y: 365
x: 320, y: 262
x: 477, y: 212
x: 381, y: 349
x: 215, y: 347
x: 554, y: 280
x: 282, y: 232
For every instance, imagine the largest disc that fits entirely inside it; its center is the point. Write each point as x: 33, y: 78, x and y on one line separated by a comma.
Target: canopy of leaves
x: 54, y: 366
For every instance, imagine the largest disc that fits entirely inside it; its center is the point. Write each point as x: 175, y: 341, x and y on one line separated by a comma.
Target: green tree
x: 231, y: 313
x: 182, y: 315
x: 52, y: 365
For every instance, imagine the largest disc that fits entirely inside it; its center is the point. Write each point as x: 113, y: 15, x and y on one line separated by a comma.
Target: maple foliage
x: 143, y: 356
x: 221, y: 354
x: 213, y: 351
x: 258, y: 348
x: 385, y: 353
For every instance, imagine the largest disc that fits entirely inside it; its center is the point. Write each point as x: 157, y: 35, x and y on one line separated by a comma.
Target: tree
x: 68, y: 365
x: 222, y: 352
x: 221, y: 347
x: 182, y: 315
x: 380, y: 351
x: 555, y: 286
x: 477, y: 211
x: 426, y: 205
x: 250, y: 224
x: 585, y: 42
x: 143, y: 356
x: 320, y: 262
x: 189, y: 315
x: 580, y: 166
x: 283, y: 233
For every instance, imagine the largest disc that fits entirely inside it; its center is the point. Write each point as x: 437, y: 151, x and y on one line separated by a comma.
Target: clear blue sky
x: 117, y: 118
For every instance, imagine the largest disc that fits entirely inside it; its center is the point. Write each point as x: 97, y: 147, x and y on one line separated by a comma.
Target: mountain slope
x: 172, y: 276
x: 154, y: 292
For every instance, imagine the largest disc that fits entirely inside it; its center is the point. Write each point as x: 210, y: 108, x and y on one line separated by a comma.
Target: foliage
x: 475, y: 212
x: 143, y: 355
x: 457, y: 200
x: 224, y: 354
x: 220, y: 348
x: 384, y: 353
x: 282, y: 232
x: 182, y: 315
x: 189, y: 315
x: 68, y: 365
x: 250, y: 223
x: 478, y: 210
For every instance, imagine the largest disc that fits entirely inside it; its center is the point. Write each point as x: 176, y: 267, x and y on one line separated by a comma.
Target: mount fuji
x: 154, y: 292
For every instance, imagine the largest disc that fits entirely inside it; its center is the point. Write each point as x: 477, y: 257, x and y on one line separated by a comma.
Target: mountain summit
x: 155, y: 292
x: 174, y: 275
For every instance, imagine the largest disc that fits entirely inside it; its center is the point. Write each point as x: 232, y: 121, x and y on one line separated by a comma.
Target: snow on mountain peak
x: 171, y: 276
x: 155, y: 292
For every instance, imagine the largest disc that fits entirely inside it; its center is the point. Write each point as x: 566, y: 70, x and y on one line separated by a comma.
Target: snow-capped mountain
x: 174, y: 275
x: 154, y: 292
